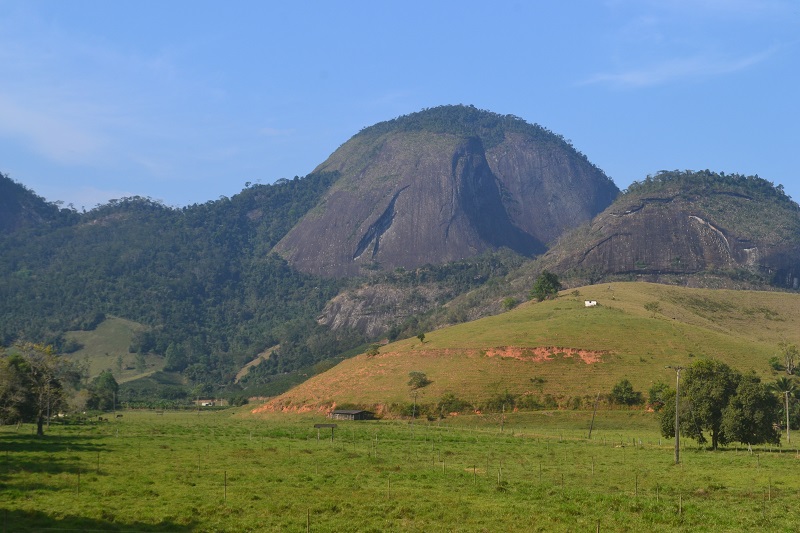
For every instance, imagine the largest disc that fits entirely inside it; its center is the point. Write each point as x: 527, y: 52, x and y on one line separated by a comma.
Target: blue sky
x: 186, y: 101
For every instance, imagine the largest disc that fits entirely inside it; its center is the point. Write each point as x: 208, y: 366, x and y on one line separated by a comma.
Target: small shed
x: 349, y: 414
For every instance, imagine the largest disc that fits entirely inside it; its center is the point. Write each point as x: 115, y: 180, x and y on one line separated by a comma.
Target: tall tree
x: 752, y: 415
x: 706, y: 389
x: 47, y: 376
x: 103, y: 392
x: 790, y: 356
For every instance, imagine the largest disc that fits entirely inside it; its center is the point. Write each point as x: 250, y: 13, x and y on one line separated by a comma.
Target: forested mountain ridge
x: 202, y: 279
x: 21, y: 208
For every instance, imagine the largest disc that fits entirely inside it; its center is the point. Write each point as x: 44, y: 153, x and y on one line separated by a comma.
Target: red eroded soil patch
x: 315, y: 394
x: 545, y: 353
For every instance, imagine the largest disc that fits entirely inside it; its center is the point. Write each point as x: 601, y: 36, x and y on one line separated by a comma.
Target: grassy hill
x: 106, y: 348
x: 562, y: 349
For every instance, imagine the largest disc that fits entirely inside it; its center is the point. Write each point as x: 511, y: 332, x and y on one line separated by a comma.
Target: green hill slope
x: 106, y: 348
x: 566, y: 351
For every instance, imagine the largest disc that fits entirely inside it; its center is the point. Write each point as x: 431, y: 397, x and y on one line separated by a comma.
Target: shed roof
x: 347, y: 411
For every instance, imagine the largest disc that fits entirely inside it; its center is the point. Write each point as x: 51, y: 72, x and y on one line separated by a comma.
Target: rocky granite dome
x: 683, y: 223
x: 442, y: 185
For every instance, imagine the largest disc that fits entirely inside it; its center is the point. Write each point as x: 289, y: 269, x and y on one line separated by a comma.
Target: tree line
x: 720, y: 405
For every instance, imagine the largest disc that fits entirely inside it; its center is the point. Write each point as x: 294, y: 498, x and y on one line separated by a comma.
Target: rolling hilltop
x: 561, y: 352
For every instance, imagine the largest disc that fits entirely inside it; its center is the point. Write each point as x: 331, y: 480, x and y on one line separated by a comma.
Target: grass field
x: 106, y: 348
x: 233, y: 471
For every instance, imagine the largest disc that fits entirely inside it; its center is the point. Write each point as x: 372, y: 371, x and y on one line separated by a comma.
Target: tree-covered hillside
x: 201, y: 278
x: 21, y: 208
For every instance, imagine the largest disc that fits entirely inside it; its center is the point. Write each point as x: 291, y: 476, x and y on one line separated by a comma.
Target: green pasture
x: 106, y: 348
x: 526, y: 471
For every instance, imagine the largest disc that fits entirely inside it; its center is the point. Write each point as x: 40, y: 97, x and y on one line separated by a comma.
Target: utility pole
x: 677, y: 370
x: 591, y: 426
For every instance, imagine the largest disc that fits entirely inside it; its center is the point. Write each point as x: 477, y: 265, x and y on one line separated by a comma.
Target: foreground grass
x: 218, y: 471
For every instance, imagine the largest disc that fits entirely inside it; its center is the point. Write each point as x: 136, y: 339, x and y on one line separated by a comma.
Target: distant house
x: 590, y: 303
x: 349, y: 414
x: 211, y: 402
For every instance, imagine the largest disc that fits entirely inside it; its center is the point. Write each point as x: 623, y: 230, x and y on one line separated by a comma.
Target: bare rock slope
x: 442, y: 185
x: 686, y: 223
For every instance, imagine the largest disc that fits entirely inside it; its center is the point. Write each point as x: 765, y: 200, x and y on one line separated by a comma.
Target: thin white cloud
x: 75, y: 100
x: 56, y: 137
x: 676, y: 70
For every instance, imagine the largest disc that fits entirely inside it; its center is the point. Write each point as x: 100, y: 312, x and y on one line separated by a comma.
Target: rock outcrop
x: 689, y: 223
x: 442, y: 185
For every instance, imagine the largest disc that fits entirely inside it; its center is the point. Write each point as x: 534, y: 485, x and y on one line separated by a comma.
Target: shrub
x: 623, y: 394
x: 654, y: 307
x: 500, y: 401
x: 549, y: 402
x: 372, y: 351
x: 239, y: 400
x: 528, y: 401
x: 509, y: 303
x: 776, y: 364
x: 450, y: 403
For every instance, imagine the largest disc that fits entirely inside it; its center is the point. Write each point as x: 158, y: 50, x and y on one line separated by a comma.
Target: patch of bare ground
x: 545, y: 353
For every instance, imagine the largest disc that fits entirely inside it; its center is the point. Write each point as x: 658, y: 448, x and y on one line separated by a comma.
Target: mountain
x: 678, y: 225
x: 442, y: 185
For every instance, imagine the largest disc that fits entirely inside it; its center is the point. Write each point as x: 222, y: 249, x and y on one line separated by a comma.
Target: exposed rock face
x: 370, y: 309
x: 676, y: 230
x: 444, y: 185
